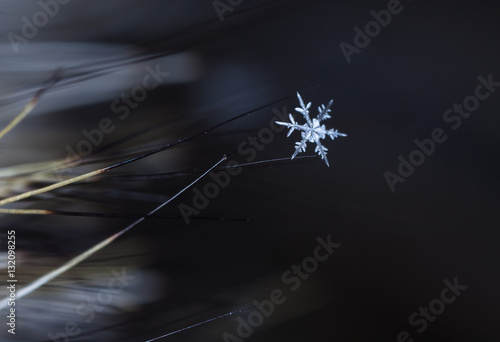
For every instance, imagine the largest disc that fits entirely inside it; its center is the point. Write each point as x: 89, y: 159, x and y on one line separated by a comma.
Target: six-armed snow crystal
x: 312, y: 131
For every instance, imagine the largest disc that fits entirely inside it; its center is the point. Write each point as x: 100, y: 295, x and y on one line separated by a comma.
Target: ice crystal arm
x: 324, y: 110
x: 300, y: 146
x: 321, y: 150
x: 333, y: 133
x: 304, y: 109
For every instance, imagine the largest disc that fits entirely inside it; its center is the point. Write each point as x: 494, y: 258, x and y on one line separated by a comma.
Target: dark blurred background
x: 397, y: 247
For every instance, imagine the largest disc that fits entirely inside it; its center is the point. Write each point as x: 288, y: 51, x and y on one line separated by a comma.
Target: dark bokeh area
x: 406, y: 232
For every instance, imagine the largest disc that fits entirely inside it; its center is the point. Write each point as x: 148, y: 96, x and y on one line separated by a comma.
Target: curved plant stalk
x: 29, y: 107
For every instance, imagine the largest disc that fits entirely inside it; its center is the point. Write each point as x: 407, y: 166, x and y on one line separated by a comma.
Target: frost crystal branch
x: 312, y: 131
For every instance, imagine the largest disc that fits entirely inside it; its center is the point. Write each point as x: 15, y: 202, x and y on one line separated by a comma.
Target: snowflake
x: 312, y: 131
